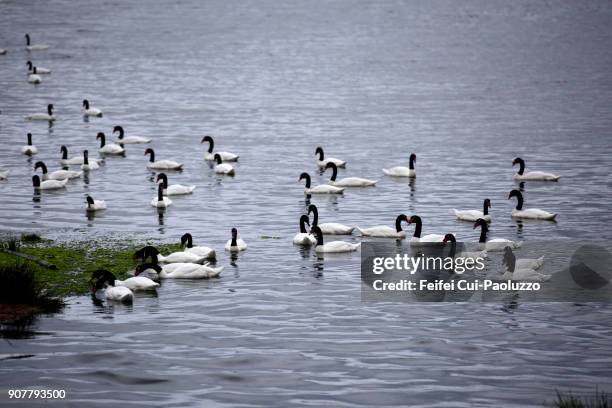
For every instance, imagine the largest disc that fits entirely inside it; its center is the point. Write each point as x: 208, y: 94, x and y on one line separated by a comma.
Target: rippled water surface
x: 467, y: 87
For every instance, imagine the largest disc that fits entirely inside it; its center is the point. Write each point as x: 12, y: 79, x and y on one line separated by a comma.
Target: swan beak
x: 475, y: 225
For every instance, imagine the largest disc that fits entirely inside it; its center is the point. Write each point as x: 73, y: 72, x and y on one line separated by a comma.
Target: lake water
x: 467, y: 87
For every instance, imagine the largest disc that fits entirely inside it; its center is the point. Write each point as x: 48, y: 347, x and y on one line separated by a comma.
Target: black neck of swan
x: 334, y: 168
x: 307, y: 177
x: 29, y: 139
x: 318, y: 234
x: 29, y: 64
x: 315, y: 214
x: 521, y: 164
x: 146, y: 252
x: 50, y: 109
x: 519, y: 199
x: 64, y: 152
x: 164, y: 179
x: 411, y: 164
x: 90, y: 201
x: 319, y: 151
x: 120, y: 130
x: 27, y: 36
x: 483, y: 230
x: 86, y: 103
x: 415, y: 219
x: 234, y: 238
x: 102, y: 139
x: 36, y: 181
x: 151, y: 154
x: 303, y: 223
x: 42, y: 165
x: 187, y: 239
x: 485, y: 207
x: 211, y: 143
x: 160, y: 193
x: 218, y: 159
x: 398, y: 222
x: 453, y: 244
x: 85, y: 156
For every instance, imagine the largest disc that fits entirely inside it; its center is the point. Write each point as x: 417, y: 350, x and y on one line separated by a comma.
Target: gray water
x: 467, y: 87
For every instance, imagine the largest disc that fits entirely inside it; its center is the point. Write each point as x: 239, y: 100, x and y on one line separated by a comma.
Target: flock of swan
x: 194, y: 261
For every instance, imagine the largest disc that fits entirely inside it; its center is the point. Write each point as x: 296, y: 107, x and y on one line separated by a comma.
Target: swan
x: 495, y: 244
x: 235, y: 244
x: 111, y: 148
x: 29, y: 149
x: 225, y: 156
x: 400, y: 171
x: 532, y: 175
x: 148, y: 270
x: 463, y: 254
x: 87, y: 166
x: 3, y: 51
x: 34, y: 47
x: 94, y: 205
x: 203, y: 251
x: 347, y: 181
x: 304, y: 237
x: 530, y: 213
x: 90, y: 111
x: 4, y: 174
x: 322, y: 162
x: 320, y: 189
x: 58, y: 174
x: 473, y: 215
x: 43, y: 116
x: 174, y: 189
x: 223, y: 168
x: 181, y: 257
x: 160, y: 201
x: 145, y: 253
x: 384, y: 231
x: 188, y: 271
x: 48, y: 184
x: 161, y: 164
x: 137, y: 283
x: 39, y: 70
x: 331, y: 247
x: 34, y: 78
x: 429, y: 238
x: 102, y: 279
x: 121, y: 139
x: 328, y: 228
x: 513, y: 272
x: 523, y: 263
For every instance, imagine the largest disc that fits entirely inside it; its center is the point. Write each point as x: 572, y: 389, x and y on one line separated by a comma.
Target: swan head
x: 50, y: 108
x: 146, y: 252
x: 64, y: 151
x: 90, y: 201
x: 305, y: 176
x: 101, y: 277
x: 449, y: 238
x: 29, y: 64
x: 151, y: 152
x: 210, y: 142
x: 41, y: 165
x: 85, y: 103
x: 234, y: 233
x: 147, y: 265
x: 100, y: 136
x: 303, y: 222
x: 398, y: 221
x: 163, y: 178
x: 518, y: 160
x: 480, y: 223
x: 118, y: 129
x: 412, y: 156
x: 319, y: 151
x: 27, y: 37
x: 487, y: 203
x: 415, y: 219
x: 186, y: 239
x: 515, y: 193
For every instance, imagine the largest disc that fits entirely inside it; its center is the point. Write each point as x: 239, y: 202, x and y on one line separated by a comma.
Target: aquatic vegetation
x: 569, y: 400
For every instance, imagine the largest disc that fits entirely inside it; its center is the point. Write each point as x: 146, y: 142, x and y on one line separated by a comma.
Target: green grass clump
x: 30, y: 238
x: 20, y: 286
x: 568, y: 400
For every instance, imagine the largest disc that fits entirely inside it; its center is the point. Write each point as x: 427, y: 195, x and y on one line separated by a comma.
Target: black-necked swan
x: 161, y: 164
x: 103, y: 280
x: 29, y: 149
x: 181, y: 257
x: 174, y: 189
x: 39, y: 70
x: 463, y: 254
x: 87, y: 165
x: 320, y: 189
x: 94, y: 205
x: 401, y: 171
x: 331, y: 247
x: 223, y: 168
x: 523, y: 263
x: 58, y: 174
x: 532, y: 175
x: 347, y: 181
x: 34, y: 47
x: 328, y: 228
x: 417, y: 238
x: 148, y: 270
x: 146, y: 252
x: 384, y: 231
x: 322, y: 162
x: 135, y: 283
x: 122, y: 139
x: 181, y: 270
x: 530, y: 213
x: 473, y: 215
x: 111, y: 148
x: 43, y: 116
x: 304, y: 237
x: 513, y: 272
x: 90, y: 110
x: 235, y: 244
x: 160, y: 201
x: 48, y: 184
x: 4, y: 174
x: 225, y: 156
x: 204, y: 251
x: 495, y: 244
x: 76, y: 160
x: 34, y: 78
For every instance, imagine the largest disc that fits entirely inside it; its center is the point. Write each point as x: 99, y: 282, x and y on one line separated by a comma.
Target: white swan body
x: 62, y: 175
x: 304, y: 238
x: 240, y: 245
x: 40, y: 71
x: 181, y: 257
x: 473, y: 215
x: 499, y: 244
x: 51, y: 184
x: 34, y: 79
x: 178, y: 189
x: 335, y: 228
x: 536, y: 176
x: 41, y: 116
x: 118, y: 294
x: 224, y: 168
x: 427, y: 239
x: 189, y: 271
x: 3, y: 51
x: 164, y: 165
x: 324, y: 189
x: 166, y: 202
x: 37, y: 47
x: 400, y: 171
x: 133, y: 140
x: 137, y: 283
x: 353, y: 182
x: 90, y: 166
x: 530, y: 275
x: 225, y: 156
x: 202, y: 251
x: 95, y: 112
x: 4, y: 174
x: 111, y: 148
x: 337, y: 162
x: 337, y: 247
x: 529, y: 263
x: 95, y: 205
x: 533, y: 214
x: 381, y: 231
x: 29, y: 149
